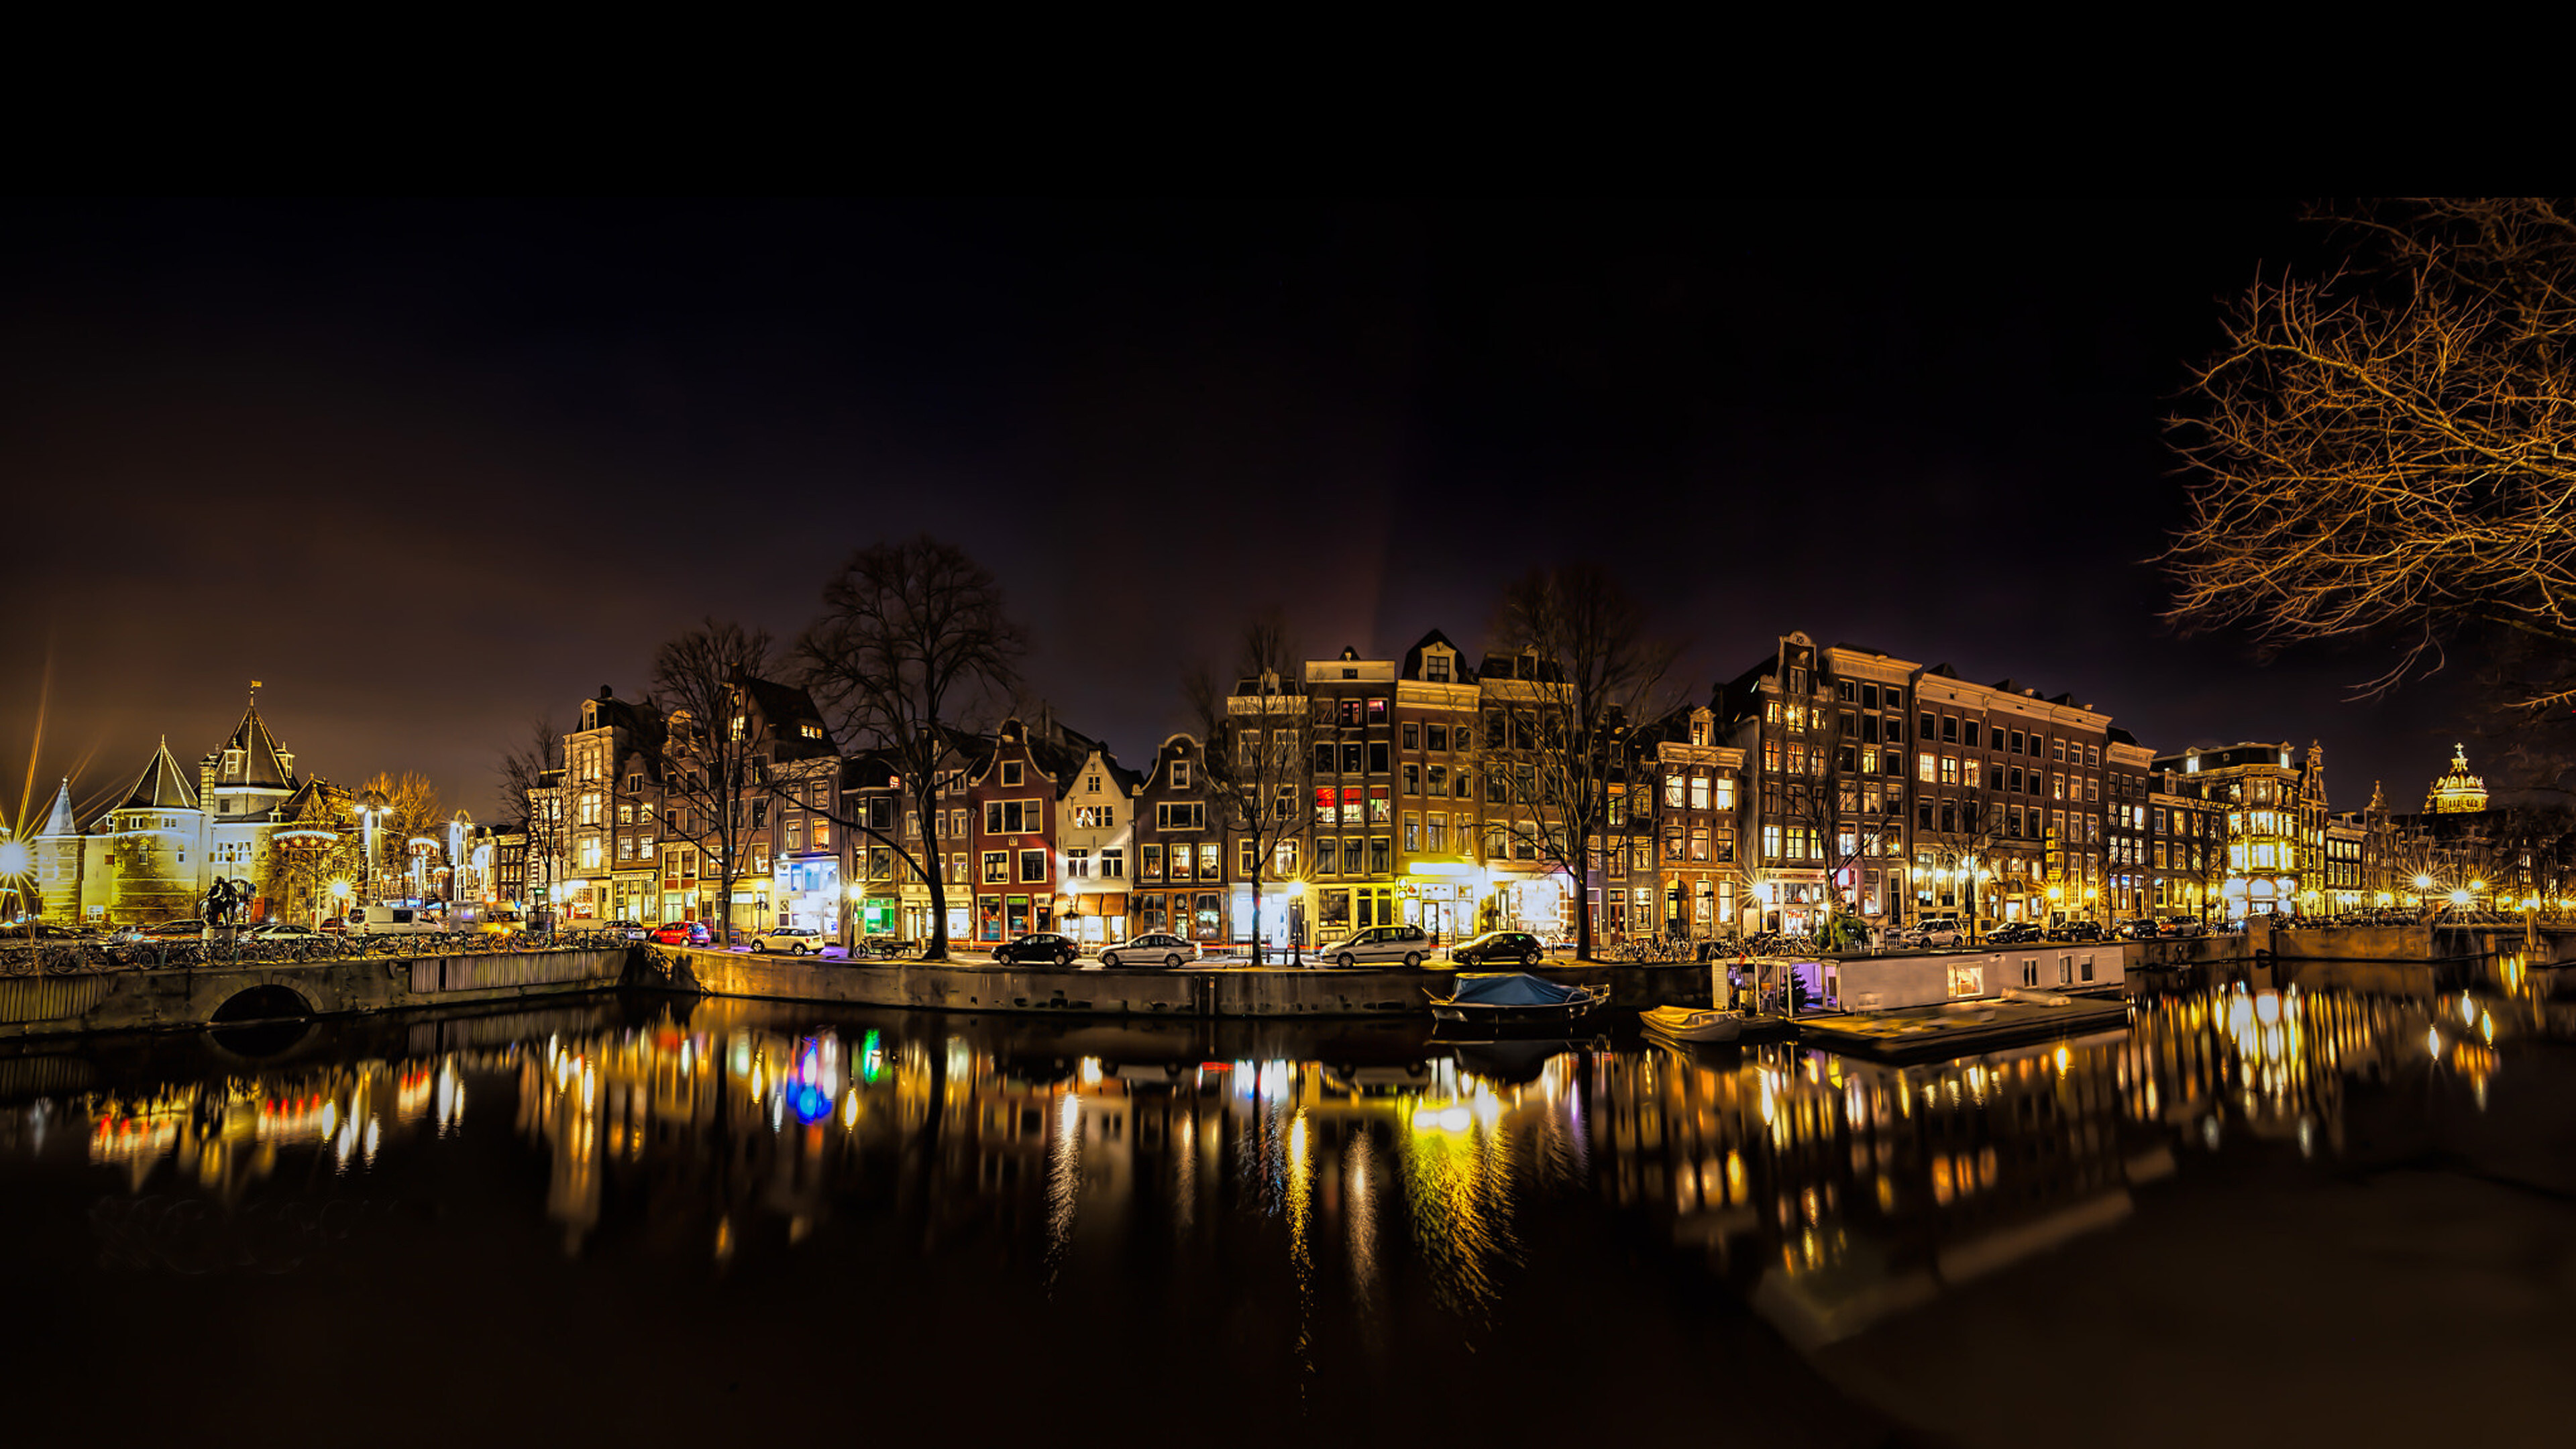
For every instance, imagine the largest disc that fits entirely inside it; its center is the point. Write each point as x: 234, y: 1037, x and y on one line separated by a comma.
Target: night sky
x: 429, y: 469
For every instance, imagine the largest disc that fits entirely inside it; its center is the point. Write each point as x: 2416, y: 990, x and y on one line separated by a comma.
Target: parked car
x: 2143, y: 928
x: 1037, y: 947
x: 285, y: 931
x: 1495, y: 948
x: 48, y: 931
x: 2076, y: 931
x: 2013, y: 933
x: 1151, y: 949
x: 682, y: 933
x: 1407, y: 944
x: 2185, y: 926
x: 794, y: 940
x: 1933, y: 931
x: 187, y: 930
x: 630, y: 930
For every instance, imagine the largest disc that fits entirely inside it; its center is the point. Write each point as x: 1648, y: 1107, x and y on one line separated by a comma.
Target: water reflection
x: 1335, y: 1188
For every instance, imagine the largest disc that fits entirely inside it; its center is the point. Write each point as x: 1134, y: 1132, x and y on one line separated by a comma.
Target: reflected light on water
x: 1823, y: 1178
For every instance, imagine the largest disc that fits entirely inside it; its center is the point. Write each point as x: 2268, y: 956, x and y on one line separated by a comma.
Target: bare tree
x: 712, y: 757
x: 2390, y: 451
x: 1256, y: 748
x: 912, y: 644
x: 532, y: 801
x: 1588, y: 668
x: 411, y: 811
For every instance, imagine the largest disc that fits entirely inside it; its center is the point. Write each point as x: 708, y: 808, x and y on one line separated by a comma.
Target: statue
x: 225, y: 900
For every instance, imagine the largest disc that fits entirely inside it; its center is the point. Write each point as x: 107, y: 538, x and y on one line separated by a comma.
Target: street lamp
x: 340, y: 895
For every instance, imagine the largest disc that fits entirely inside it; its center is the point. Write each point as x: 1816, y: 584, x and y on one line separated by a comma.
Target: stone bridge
x: 183, y: 997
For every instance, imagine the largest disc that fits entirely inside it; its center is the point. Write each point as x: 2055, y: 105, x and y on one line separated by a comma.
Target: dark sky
x: 428, y: 469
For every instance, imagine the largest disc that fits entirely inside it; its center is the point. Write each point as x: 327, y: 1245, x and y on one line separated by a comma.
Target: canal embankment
x: 182, y: 997
x: 1228, y: 991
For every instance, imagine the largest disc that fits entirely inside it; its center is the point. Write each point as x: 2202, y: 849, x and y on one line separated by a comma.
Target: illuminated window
x: 1926, y: 768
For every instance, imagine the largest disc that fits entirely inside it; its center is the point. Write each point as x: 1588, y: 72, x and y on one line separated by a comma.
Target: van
x: 392, y: 921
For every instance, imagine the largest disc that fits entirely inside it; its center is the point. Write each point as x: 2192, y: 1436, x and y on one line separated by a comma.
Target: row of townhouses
x: 1820, y: 776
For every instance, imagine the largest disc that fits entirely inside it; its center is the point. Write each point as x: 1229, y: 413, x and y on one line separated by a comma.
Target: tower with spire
x: 146, y: 853
x: 58, y: 859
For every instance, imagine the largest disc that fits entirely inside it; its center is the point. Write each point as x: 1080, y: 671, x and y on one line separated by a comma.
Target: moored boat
x: 1693, y: 1023
x: 1508, y: 999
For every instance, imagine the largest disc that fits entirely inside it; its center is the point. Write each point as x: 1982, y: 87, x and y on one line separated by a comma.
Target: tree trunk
x: 1256, y: 909
x: 936, y: 948
x: 1582, y: 916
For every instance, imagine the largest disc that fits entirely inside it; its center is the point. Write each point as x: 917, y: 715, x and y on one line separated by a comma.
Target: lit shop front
x: 1440, y: 897
x: 1093, y: 917
x: 809, y: 893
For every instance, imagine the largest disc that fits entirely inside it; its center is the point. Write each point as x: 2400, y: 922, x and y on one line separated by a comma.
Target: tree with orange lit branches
x: 2388, y: 453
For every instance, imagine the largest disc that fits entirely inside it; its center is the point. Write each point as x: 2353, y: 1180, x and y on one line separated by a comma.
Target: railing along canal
x: 75, y: 958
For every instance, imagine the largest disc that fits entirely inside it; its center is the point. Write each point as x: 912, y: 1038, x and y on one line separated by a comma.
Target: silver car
x: 1374, y: 944
x: 1150, y: 949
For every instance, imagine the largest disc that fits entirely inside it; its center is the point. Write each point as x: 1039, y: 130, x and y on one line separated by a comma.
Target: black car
x: 2144, y: 928
x: 2077, y: 931
x: 1035, y: 948
x: 2013, y: 933
x: 1498, y: 948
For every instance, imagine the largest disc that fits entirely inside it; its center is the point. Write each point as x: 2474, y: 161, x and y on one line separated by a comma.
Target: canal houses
x: 1014, y: 799
x: 1180, y: 848
x: 1095, y: 842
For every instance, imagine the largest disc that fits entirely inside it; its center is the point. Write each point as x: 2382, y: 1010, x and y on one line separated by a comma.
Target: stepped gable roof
x: 262, y: 763
x: 161, y: 786
x: 59, y: 821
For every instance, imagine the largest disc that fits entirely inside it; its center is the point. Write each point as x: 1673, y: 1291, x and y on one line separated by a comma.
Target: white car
x: 1374, y: 944
x: 794, y: 940
x: 1150, y: 949
x: 286, y: 931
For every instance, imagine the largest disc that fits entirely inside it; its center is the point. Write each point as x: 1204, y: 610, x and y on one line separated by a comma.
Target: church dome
x: 2457, y: 792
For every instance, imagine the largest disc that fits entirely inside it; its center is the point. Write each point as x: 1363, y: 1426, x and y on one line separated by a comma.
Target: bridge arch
x: 267, y: 1002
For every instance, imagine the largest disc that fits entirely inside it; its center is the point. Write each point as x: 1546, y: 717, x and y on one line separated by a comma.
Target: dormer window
x: 232, y: 764
x: 811, y: 730
x: 1435, y: 667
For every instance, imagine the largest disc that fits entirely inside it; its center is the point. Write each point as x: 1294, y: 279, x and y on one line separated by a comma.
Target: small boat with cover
x: 1692, y: 1023
x: 1514, y: 999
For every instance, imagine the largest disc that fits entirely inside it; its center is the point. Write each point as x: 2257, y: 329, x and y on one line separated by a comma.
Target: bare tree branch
x: 913, y: 644
x: 2389, y: 453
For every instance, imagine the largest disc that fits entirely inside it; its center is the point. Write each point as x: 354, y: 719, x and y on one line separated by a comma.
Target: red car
x: 682, y: 933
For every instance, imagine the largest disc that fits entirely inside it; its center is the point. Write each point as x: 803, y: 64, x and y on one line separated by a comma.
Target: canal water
x: 2243, y: 1218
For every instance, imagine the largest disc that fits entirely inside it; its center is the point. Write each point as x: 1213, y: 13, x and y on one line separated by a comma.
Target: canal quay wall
x: 2401, y: 960
x: 182, y: 997
x: 1234, y: 991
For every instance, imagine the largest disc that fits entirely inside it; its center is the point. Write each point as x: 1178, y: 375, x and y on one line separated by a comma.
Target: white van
x: 392, y: 921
